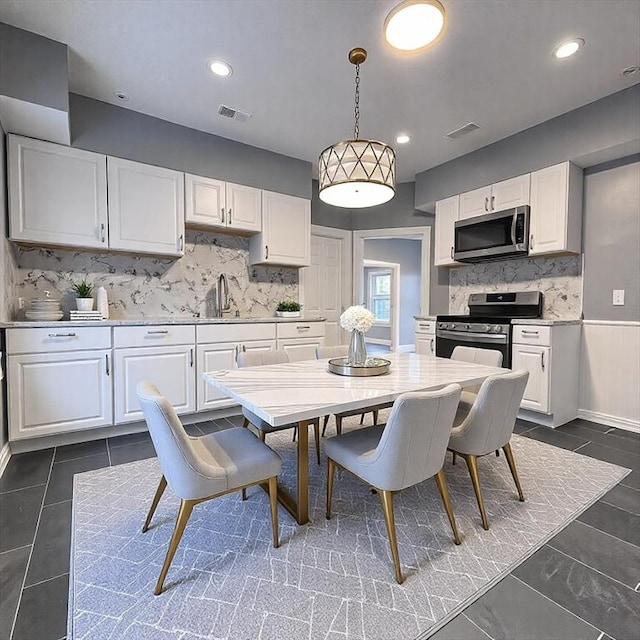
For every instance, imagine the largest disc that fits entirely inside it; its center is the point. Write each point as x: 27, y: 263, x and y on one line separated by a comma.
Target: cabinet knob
x: 106, y: 364
x: 62, y: 335
x: 452, y: 253
x: 486, y: 203
x: 158, y: 332
x: 493, y: 203
x: 229, y: 214
x: 531, y: 242
x: 222, y: 214
x: 102, y: 235
x: 266, y: 251
x: 542, y: 360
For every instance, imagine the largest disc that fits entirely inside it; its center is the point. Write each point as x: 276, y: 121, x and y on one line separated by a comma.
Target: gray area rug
x: 329, y: 580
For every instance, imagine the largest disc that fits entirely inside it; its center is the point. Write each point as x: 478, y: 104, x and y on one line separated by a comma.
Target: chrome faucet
x: 222, y: 296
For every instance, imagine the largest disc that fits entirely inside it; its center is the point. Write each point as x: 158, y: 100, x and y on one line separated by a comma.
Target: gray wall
x: 603, y: 130
x: 3, y: 280
x: 105, y: 128
x: 33, y: 68
x: 326, y: 215
x: 611, y: 239
x: 407, y: 253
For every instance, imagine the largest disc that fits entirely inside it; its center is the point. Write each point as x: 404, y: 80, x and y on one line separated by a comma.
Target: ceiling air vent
x: 460, y: 131
x: 234, y: 114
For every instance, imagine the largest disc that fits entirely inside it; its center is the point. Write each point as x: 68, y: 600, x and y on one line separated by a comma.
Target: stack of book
x: 85, y: 315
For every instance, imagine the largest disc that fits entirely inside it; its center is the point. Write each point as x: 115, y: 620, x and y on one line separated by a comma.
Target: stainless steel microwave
x: 494, y: 236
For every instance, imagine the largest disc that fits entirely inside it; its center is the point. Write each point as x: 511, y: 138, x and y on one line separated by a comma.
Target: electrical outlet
x: 20, y: 303
x: 618, y: 297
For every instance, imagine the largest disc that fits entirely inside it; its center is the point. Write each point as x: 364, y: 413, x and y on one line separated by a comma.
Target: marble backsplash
x: 559, y: 279
x: 149, y: 286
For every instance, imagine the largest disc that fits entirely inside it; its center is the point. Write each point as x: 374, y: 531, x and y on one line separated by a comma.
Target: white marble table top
x: 295, y: 391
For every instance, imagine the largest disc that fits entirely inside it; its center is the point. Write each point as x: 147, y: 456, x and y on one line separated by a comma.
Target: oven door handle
x: 467, y: 336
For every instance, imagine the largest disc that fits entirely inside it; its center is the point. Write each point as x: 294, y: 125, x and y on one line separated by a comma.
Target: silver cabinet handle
x: 237, y: 349
x: 531, y: 241
x: 431, y: 344
x: 303, y: 328
x: 244, y: 348
x: 486, y: 203
x: 452, y: 253
x: 530, y: 333
x: 106, y: 363
x: 266, y: 251
x: 229, y: 214
x: 62, y: 335
x: 158, y: 332
x: 542, y: 360
x: 222, y: 213
x: 493, y: 203
x: 102, y: 235
x: 424, y: 326
x: 191, y: 357
x: 181, y: 242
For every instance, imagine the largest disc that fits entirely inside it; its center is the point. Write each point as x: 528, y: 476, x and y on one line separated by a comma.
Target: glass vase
x: 357, y: 349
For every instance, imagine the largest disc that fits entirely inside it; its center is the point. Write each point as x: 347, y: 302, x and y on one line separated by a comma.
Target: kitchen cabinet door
x: 57, y: 195
x: 214, y: 357
x: 475, y: 203
x: 286, y: 231
x: 425, y: 344
x: 52, y: 393
x: 170, y: 368
x: 446, y: 215
x: 146, y: 208
x: 510, y: 193
x: 536, y: 360
x: 204, y: 201
x: 300, y: 348
x: 244, y: 208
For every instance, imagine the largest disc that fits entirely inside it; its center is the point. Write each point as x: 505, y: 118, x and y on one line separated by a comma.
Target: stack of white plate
x: 44, y: 309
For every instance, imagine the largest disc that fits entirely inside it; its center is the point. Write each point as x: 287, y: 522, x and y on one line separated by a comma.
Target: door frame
x: 419, y: 233
x: 394, y: 326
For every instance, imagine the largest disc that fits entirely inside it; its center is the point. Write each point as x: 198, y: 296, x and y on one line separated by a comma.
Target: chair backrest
x: 179, y: 462
x: 332, y: 352
x: 260, y: 358
x: 488, y: 357
x: 414, y: 442
x: 489, y: 424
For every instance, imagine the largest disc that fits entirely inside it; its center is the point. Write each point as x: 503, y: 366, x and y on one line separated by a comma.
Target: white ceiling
x: 492, y: 66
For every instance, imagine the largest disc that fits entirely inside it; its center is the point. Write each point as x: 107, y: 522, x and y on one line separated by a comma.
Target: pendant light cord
x: 356, y: 128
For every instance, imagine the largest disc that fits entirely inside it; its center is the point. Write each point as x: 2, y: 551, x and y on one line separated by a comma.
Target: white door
x: 57, y: 195
x: 214, y: 357
x: 204, y: 201
x: 146, y: 208
x: 475, y: 203
x: 548, y: 224
x: 537, y: 362
x: 301, y: 348
x: 244, y: 208
x: 510, y: 193
x: 52, y: 393
x: 323, y: 284
x: 446, y: 215
x: 425, y: 344
x: 171, y: 369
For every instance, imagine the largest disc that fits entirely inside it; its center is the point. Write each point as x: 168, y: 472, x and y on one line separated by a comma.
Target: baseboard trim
x: 406, y: 348
x: 380, y: 341
x: 5, y: 455
x: 609, y: 420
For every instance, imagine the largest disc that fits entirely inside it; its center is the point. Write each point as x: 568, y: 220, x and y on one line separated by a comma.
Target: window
x: 379, y: 300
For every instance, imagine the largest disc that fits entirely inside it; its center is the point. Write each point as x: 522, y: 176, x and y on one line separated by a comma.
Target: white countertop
x: 295, y: 391
x: 546, y: 322
x: 134, y: 322
x: 424, y: 317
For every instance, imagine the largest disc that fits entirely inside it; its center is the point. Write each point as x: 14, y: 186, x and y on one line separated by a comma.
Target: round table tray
x: 372, y: 367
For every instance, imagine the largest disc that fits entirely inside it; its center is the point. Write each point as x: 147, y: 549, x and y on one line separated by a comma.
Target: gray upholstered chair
x: 324, y: 353
x: 408, y: 450
x: 199, y: 469
x: 488, y: 427
x: 263, y: 358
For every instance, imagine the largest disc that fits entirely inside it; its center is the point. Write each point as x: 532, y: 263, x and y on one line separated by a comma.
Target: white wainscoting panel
x: 610, y: 373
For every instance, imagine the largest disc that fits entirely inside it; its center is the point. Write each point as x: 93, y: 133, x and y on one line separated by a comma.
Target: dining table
x: 301, y: 392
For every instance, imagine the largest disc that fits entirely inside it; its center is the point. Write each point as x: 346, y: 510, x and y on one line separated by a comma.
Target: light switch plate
x: 618, y: 297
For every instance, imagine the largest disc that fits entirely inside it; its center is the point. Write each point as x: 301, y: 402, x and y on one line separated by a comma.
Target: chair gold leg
x: 154, y: 504
x: 261, y: 434
x: 186, y: 507
x: 508, y: 454
x: 375, y: 417
x: 497, y: 453
x: 316, y: 433
x: 472, y: 463
x: 295, y: 433
x: 455, y: 455
x: 245, y: 422
x: 441, y: 481
x: 362, y: 418
x: 387, y: 506
x: 339, y: 425
x: 273, y: 499
x: 324, y: 425
x: 331, y: 468
x: 244, y: 495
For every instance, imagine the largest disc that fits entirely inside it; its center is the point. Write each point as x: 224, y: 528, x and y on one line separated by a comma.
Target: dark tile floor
x: 581, y: 585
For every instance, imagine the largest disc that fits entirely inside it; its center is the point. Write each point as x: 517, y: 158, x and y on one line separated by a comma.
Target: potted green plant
x: 288, y: 309
x: 84, y: 295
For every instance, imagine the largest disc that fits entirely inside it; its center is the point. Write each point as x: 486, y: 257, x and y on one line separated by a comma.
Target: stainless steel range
x: 488, y: 325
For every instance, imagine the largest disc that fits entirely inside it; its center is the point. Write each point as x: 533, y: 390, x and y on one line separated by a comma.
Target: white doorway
x: 325, y: 286
x: 382, y: 291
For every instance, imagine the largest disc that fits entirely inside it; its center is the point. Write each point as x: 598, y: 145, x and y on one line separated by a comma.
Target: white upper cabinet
x: 222, y: 205
x: 446, y: 215
x: 495, y: 197
x: 286, y: 231
x: 556, y: 210
x: 57, y: 195
x: 146, y: 208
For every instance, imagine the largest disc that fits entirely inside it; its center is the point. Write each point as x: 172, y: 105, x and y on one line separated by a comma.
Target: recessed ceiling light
x: 121, y: 95
x: 403, y: 138
x: 414, y: 24
x: 220, y: 68
x: 568, y: 48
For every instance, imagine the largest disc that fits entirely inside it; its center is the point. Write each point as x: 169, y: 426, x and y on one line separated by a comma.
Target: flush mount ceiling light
x: 357, y: 173
x: 403, y: 138
x: 414, y: 24
x: 220, y: 68
x: 568, y: 48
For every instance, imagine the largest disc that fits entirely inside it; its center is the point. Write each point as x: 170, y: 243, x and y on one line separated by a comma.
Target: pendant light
x: 357, y: 173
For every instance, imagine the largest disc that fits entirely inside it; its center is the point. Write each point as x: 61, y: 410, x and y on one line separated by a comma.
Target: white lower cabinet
x: 537, y: 361
x: 300, y: 348
x: 214, y: 357
x: 425, y: 337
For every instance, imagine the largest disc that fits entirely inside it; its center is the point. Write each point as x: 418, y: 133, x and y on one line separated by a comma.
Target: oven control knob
x: 485, y: 328
x: 496, y: 328
x: 451, y: 326
x: 467, y: 326
x: 442, y: 325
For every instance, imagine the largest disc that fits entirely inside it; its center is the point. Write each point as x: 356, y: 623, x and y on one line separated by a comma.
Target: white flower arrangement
x: 357, y: 318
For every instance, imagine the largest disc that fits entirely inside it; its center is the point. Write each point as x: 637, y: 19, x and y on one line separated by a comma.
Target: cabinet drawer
x: 153, y: 335
x: 424, y: 326
x: 532, y: 334
x: 235, y: 332
x: 286, y: 330
x: 56, y: 339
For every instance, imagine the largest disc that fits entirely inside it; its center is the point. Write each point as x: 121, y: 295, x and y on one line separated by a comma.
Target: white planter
x: 84, y: 304
x: 287, y: 314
